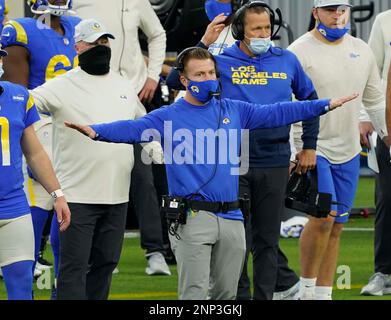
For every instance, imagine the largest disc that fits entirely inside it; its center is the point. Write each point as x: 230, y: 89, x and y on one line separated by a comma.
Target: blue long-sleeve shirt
x: 267, y: 78
x: 189, y: 160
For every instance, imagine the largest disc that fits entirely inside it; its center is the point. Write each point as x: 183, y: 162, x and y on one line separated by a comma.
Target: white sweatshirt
x: 123, y: 18
x: 380, y: 43
x: 89, y: 172
x: 337, y: 71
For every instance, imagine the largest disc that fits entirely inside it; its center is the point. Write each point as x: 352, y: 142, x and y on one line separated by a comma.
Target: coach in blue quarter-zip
x: 253, y: 70
x: 210, y: 244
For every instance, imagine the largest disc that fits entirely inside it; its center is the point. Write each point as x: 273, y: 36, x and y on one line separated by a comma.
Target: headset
x: 179, y: 65
x: 238, y: 19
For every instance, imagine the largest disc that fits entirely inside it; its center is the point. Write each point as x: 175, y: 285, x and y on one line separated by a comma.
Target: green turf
x: 365, y: 193
x: 356, y: 252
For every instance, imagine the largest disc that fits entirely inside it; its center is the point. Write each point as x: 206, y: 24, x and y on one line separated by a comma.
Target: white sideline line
x: 136, y: 234
x: 359, y: 229
x: 131, y: 234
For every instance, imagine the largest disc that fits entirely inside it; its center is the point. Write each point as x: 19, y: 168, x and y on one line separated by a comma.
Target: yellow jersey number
x: 5, y: 141
x: 53, y: 64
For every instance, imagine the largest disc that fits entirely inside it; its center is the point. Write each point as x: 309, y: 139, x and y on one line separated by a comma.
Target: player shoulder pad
x: 16, y: 32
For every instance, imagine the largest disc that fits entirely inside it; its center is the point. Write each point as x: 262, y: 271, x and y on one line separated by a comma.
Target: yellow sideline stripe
x: 142, y: 295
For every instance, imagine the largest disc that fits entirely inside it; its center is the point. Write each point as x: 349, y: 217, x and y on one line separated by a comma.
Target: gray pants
x: 383, y: 211
x: 90, y: 250
x: 209, y: 256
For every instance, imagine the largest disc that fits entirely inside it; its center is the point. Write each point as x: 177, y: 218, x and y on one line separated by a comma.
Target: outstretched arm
x: 144, y: 129
x: 281, y: 114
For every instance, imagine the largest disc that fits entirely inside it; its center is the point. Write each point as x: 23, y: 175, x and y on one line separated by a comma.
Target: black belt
x: 214, y: 207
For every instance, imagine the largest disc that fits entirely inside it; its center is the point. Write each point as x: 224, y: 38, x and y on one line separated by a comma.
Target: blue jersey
x: 50, y: 54
x: 180, y: 125
x: 17, y: 112
x: 267, y: 78
x: 3, y: 12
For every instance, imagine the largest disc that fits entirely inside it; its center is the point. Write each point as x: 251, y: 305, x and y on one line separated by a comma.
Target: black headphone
x: 238, y: 19
x: 179, y: 65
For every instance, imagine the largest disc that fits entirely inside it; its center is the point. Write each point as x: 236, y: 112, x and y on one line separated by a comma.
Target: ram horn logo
x: 195, y: 89
x: 226, y: 121
x: 323, y: 32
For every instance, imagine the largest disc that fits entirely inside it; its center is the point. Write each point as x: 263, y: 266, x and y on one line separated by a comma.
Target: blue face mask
x: 203, y: 91
x: 259, y: 45
x: 213, y: 8
x: 332, y: 35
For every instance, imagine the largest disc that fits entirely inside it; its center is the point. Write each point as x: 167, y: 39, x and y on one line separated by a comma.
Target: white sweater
x: 89, y: 172
x: 380, y: 43
x: 337, y: 71
x: 123, y: 18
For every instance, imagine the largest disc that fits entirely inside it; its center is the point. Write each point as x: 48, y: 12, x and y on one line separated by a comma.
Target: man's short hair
x: 193, y: 53
x: 257, y: 10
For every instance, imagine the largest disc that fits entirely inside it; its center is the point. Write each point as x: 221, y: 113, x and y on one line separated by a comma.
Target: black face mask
x: 96, y: 61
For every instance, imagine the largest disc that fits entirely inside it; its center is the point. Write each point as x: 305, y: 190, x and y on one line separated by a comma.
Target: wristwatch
x: 57, y: 194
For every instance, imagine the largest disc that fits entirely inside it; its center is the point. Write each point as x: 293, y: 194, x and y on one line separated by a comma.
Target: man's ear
x: 315, y: 13
x: 77, y: 48
x: 183, y: 80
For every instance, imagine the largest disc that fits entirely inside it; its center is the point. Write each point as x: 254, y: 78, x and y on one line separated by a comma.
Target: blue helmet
x: 43, y: 6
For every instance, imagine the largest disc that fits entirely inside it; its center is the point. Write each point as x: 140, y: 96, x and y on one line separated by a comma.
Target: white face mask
x: 259, y: 45
x: 1, y: 70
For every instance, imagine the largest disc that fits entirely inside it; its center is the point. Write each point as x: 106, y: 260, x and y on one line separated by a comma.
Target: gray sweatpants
x: 210, y: 256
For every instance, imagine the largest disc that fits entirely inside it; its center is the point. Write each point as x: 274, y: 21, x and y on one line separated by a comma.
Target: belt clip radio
x: 175, y: 211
